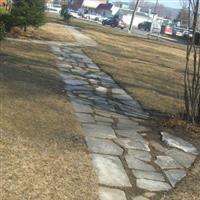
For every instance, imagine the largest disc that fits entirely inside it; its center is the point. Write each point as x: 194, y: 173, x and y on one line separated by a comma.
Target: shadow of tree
x: 23, y: 71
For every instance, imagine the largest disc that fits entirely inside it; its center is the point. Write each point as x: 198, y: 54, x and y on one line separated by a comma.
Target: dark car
x: 145, y: 26
x: 189, y: 35
x: 178, y: 31
x: 112, y: 21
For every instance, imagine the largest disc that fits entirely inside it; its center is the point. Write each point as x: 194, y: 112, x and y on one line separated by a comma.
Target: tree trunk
x: 192, y: 69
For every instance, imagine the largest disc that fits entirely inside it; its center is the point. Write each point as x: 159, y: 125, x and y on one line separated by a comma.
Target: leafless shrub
x: 192, y: 69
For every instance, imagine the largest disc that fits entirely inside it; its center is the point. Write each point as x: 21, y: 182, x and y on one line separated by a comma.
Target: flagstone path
x: 128, y: 164
x: 123, y: 158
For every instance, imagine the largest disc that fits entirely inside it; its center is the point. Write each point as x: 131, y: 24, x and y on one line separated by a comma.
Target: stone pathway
x: 123, y: 158
x: 129, y: 166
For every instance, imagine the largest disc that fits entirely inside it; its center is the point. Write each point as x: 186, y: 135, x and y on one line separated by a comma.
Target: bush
x: 2, y: 31
x: 3, y: 11
x: 28, y: 13
x: 65, y: 14
x: 8, y: 20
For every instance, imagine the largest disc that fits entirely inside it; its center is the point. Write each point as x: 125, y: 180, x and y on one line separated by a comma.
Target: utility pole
x: 133, y: 15
x: 154, y: 14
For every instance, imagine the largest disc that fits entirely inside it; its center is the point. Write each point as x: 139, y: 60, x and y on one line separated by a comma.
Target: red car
x: 167, y: 30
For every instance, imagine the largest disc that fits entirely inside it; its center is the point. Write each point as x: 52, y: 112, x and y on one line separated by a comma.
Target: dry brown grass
x: 189, y: 188
x: 43, y: 153
x: 150, y: 71
x: 50, y: 31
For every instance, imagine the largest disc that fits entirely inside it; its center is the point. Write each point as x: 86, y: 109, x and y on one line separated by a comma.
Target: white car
x: 92, y: 17
x: 55, y: 8
x: 74, y: 14
x: 102, y: 18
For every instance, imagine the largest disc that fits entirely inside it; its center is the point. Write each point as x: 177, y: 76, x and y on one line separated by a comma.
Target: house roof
x: 3, y: 1
x: 93, y: 3
x: 106, y: 6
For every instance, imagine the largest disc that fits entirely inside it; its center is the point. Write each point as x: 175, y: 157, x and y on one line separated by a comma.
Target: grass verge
x: 50, y: 31
x: 43, y: 153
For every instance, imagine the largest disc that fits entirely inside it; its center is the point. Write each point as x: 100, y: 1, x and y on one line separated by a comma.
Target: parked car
x: 187, y: 34
x: 102, y: 18
x: 178, y: 31
x: 73, y: 13
x: 114, y: 22
x: 90, y: 16
x: 122, y: 24
x: 167, y: 29
x: 55, y: 8
x: 146, y: 26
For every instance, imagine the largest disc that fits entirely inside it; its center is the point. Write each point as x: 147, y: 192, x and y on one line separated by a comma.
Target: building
x: 125, y: 4
x: 75, y: 4
x: 6, y: 4
x: 104, y: 10
x: 98, y: 7
x: 3, y: 3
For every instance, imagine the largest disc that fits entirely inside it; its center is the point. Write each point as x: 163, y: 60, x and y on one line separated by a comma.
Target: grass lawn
x: 50, y: 31
x: 43, y: 153
x: 150, y: 71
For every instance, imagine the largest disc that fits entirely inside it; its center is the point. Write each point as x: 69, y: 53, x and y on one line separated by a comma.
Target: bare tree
x: 184, y: 3
x: 192, y: 69
x: 183, y: 13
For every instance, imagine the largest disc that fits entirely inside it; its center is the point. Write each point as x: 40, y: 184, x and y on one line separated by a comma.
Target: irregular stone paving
x: 123, y: 157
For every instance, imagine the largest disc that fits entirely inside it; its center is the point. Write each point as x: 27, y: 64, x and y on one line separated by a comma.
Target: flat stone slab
x: 149, y: 194
x: 75, y: 82
x: 175, y: 175
x: 101, y: 89
x: 181, y: 157
x: 110, y: 171
x: 64, y: 65
x: 141, y: 155
x: 134, y: 163
x: 139, y: 198
x: 82, y: 108
x: 133, y: 126
x: 166, y: 162
x: 111, y: 194
x: 153, y: 186
x: 103, y: 146
x: 131, y: 144
x: 79, y: 88
x: 157, y: 146
x: 125, y: 121
x: 77, y: 55
x: 118, y: 91
x: 148, y: 175
x: 179, y: 143
x: 122, y: 96
x: 85, y: 118
x: 99, y: 131
x: 103, y: 119
x: 130, y: 134
x: 92, y: 66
